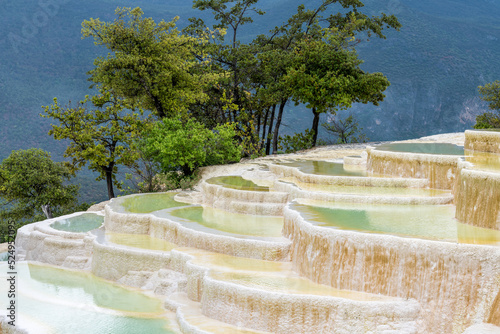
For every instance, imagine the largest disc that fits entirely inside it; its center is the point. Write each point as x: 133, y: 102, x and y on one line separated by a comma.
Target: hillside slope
x: 435, y: 63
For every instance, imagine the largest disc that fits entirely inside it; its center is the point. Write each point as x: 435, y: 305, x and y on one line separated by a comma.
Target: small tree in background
x: 103, y: 136
x: 33, y: 187
x: 347, y: 130
x: 490, y: 93
x: 144, y: 175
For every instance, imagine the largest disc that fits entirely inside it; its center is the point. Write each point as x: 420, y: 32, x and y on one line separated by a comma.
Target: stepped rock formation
x: 402, y: 238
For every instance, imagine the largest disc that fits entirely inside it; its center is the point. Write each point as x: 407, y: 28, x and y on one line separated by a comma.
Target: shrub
x: 297, y: 142
x: 185, y: 146
x: 487, y: 120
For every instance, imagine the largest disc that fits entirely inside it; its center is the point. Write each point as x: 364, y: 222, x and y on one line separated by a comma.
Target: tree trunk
x: 109, y: 181
x: 264, y: 128
x: 315, y: 126
x: 186, y: 170
x: 259, y: 116
x: 47, y: 211
x: 158, y: 106
x: 277, y: 127
x: 268, y: 144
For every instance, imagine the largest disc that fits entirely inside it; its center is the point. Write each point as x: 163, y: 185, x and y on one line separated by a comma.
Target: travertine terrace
x: 346, y: 239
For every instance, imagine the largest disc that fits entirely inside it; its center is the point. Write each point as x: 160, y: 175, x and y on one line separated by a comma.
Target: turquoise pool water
x: 433, y: 222
x: 146, y: 203
x: 236, y: 182
x: 62, y: 301
x: 235, y: 223
x: 81, y: 223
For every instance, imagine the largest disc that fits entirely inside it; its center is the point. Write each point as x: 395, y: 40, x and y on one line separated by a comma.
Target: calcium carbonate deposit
x: 397, y: 238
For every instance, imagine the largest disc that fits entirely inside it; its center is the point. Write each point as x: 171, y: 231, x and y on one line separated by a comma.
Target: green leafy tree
x: 32, y: 185
x: 231, y: 100
x: 490, y: 93
x: 102, y: 136
x: 487, y: 120
x: 333, y: 36
x: 326, y: 76
x: 184, y: 146
x: 150, y: 64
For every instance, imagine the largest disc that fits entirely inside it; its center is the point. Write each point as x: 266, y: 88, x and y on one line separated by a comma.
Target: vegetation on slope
x: 444, y: 50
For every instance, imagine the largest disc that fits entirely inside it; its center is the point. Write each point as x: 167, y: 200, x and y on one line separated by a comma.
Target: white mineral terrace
x: 399, y: 238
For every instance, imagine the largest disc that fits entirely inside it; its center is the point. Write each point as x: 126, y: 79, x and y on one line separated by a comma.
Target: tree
x: 32, y: 184
x: 326, y: 74
x: 333, y: 37
x: 490, y: 93
x: 231, y: 100
x: 179, y: 145
x: 151, y: 64
x: 102, y: 136
x: 345, y: 130
x: 144, y: 174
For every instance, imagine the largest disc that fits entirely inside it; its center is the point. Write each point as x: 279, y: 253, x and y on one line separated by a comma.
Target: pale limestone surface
x: 97, y: 207
x: 483, y: 329
x: 483, y: 141
x: 428, y: 286
x: 407, y: 261
x: 40, y: 242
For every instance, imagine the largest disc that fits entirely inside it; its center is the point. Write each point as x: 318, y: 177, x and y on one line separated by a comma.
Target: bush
x: 185, y: 146
x: 488, y: 120
x: 297, y: 142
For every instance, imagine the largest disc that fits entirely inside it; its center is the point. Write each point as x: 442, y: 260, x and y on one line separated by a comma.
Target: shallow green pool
x: 434, y: 222
x: 61, y: 301
x: 146, y: 203
x: 484, y: 161
x: 425, y: 148
x: 368, y: 191
x: 139, y: 241
x: 324, y: 168
x: 81, y: 223
x: 236, y: 182
x: 219, y: 220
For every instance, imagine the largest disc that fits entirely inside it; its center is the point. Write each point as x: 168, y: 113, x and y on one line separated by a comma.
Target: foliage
x: 346, y: 130
x: 143, y: 175
x: 487, y: 120
x: 179, y: 145
x: 273, y: 68
x: 436, y: 57
x: 150, y: 64
x: 250, y: 143
x: 29, y: 179
x: 102, y: 136
x: 490, y: 93
x: 175, y: 180
x: 297, y: 142
x: 326, y: 75
x: 231, y: 100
